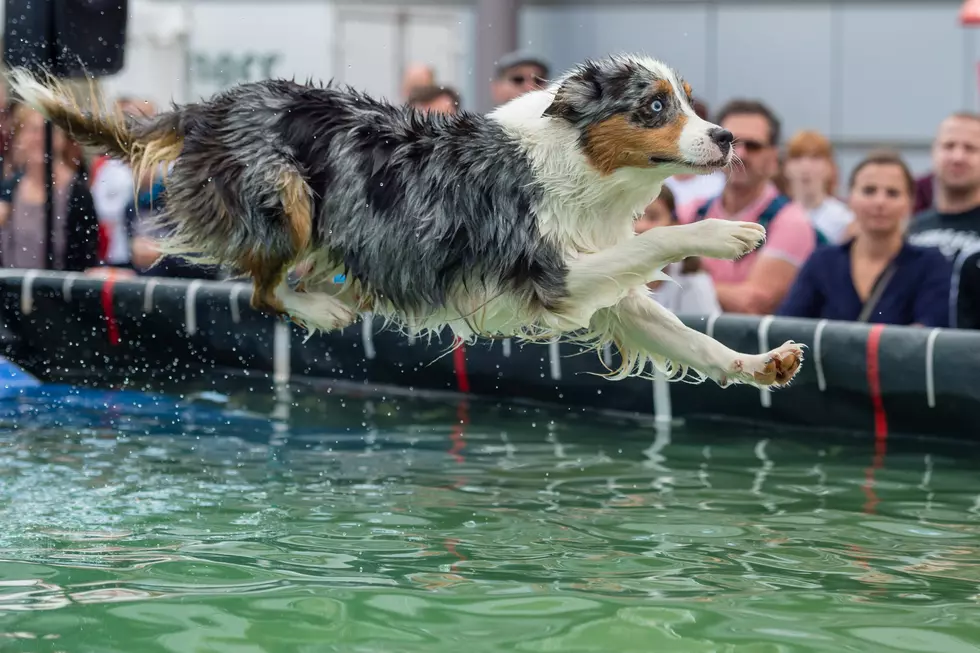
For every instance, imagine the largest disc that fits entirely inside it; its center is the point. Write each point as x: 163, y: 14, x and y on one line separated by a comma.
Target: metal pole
x: 50, y: 38
x: 49, y: 195
x: 401, y: 42
x: 496, y: 35
x: 187, y: 15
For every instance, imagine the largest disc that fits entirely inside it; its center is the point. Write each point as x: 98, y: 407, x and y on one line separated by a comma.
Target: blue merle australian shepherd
x: 513, y: 224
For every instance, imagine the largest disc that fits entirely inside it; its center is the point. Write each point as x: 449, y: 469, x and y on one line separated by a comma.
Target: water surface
x: 334, y: 522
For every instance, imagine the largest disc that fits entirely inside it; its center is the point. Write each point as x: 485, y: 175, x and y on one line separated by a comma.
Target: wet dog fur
x: 517, y: 223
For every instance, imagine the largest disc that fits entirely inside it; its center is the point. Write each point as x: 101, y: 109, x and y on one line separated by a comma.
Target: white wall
x: 820, y: 63
x: 364, y: 46
x: 155, y: 65
x: 183, y: 50
x: 234, y: 42
x: 845, y: 68
x: 373, y: 43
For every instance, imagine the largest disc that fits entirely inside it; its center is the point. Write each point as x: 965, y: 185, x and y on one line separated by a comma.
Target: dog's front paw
x: 775, y: 368
x: 725, y: 239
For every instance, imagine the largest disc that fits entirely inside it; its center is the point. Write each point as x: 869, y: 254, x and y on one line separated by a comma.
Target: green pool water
x: 335, y: 522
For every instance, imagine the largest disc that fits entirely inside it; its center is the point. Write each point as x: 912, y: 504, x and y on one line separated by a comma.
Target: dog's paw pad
x: 775, y: 368
x: 782, y: 364
x: 787, y: 367
x: 767, y: 375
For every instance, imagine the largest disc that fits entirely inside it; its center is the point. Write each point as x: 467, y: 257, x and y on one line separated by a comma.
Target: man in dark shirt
x: 953, y: 224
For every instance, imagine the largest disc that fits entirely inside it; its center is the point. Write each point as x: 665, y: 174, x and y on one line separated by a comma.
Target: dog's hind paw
x: 725, y: 239
x: 316, y: 311
x: 775, y: 368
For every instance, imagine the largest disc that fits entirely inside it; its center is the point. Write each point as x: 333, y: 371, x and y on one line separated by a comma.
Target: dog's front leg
x: 644, y: 330
x: 599, y: 280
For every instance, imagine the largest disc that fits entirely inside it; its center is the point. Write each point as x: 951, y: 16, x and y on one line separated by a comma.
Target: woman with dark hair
x: 876, y: 276
x: 23, y: 193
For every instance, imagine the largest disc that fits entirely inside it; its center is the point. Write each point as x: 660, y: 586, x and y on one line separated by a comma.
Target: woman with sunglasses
x: 876, y: 276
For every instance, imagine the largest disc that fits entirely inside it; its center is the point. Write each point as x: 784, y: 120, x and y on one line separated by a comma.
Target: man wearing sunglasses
x: 757, y: 282
x: 517, y: 73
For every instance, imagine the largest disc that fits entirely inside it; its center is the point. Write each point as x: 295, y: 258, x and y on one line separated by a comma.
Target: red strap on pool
x: 459, y: 365
x: 874, y: 384
x: 110, y: 314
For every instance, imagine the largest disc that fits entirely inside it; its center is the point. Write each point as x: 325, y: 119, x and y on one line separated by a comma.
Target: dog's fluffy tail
x: 142, y: 142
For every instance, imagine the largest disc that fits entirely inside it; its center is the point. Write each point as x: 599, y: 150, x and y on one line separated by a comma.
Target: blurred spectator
x: 112, y: 192
x: 23, y: 217
x: 129, y: 106
x: 687, y: 188
x: 146, y: 257
x: 126, y: 208
x: 811, y: 178
x: 953, y: 225
x: 517, y: 74
x: 416, y: 75
x: 438, y: 99
x: 877, y: 276
x: 757, y: 282
x: 6, y: 131
x: 690, y: 290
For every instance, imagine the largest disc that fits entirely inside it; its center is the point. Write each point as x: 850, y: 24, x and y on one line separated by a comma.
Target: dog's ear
x: 560, y: 107
x: 574, y: 97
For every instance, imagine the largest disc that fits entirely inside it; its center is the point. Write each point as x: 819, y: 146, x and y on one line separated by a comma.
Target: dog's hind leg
x: 599, y: 280
x: 644, y: 331
x: 317, y: 311
x: 269, y: 263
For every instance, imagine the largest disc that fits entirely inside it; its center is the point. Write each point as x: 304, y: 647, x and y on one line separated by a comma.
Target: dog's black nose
x: 722, y: 138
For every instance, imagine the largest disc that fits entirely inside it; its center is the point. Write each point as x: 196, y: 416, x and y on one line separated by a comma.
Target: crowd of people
x: 99, y: 211
x: 887, y: 248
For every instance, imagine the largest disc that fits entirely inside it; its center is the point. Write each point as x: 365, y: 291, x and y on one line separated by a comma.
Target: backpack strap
x: 877, y: 291
x: 702, y: 211
x: 777, y: 204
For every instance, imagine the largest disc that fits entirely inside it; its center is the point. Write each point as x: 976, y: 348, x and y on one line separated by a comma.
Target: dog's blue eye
x: 657, y: 106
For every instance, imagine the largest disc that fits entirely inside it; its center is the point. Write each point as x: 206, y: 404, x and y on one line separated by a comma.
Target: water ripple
x: 373, y: 524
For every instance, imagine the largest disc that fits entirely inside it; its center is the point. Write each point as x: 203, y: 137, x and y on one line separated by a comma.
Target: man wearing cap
x: 517, y: 73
